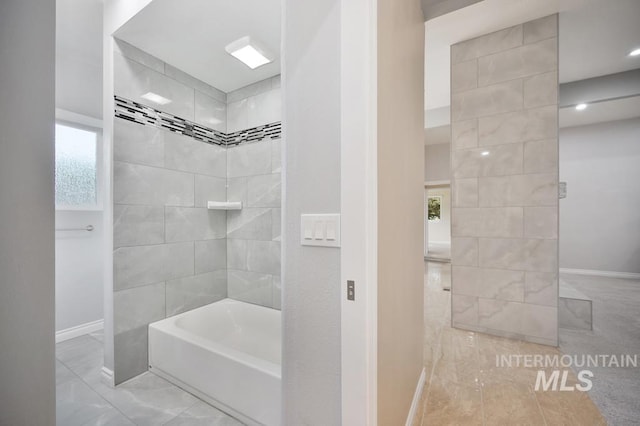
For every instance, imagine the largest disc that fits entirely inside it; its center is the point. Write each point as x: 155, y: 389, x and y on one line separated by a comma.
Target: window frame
x: 89, y: 124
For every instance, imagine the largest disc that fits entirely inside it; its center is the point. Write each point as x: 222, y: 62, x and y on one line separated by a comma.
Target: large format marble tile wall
x: 253, y: 171
x: 169, y: 249
x: 504, y: 112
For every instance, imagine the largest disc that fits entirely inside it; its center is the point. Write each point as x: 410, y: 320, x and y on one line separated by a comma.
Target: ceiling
x: 600, y: 112
x: 192, y: 34
x: 595, y: 36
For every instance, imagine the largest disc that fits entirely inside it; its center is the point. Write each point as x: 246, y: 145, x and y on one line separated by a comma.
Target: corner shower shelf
x: 224, y: 205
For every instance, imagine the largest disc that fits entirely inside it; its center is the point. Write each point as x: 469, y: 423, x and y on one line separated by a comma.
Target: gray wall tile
x: 136, y: 266
x: 135, y: 143
x: 540, y: 29
x: 194, y: 224
x: 250, y: 224
x: 131, y: 52
x: 541, y: 222
x: 210, y: 255
x: 131, y: 354
x: 210, y: 112
x: 486, y: 101
x: 137, y: 184
x: 519, y: 126
x: 541, y: 90
x: 209, y: 188
x: 137, y: 225
x: 190, y: 155
x: 277, y: 292
x: 135, y: 307
x: 519, y: 254
x: 237, y: 254
x: 487, y: 44
x: 264, y: 257
x: 504, y: 252
x: 132, y: 80
x: 496, y: 160
x: 276, y: 155
x: 487, y: 222
x: 250, y: 90
x: 520, y: 62
x: 251, y: 287
x: 194, y: 83
x: 249, y: 160
x: 192, y: 292
x: 464, y: 76
x: 464, y: 134
x: 264, y: 191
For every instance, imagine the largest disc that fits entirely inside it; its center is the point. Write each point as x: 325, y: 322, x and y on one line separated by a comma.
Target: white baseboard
x: 106, y: 376
x: 609, y: 274
x: 416, y: 398
x: 79, y: 330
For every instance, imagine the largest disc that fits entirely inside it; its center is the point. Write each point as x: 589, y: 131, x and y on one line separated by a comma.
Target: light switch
x: 320, y: 230
x: 308, y: 233
x: 331, y: 231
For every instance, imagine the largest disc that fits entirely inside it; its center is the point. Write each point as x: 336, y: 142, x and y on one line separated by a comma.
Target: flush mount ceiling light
x: 484, y: 153
x: 581, y: 107
x: 635, y: 52
x: 248, y: 52
x: 155, y: 98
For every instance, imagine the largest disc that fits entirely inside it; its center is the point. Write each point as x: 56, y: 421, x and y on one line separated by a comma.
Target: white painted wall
x: 79, y: 258
x: 600, y: 218
x: 440, y: 230
x: 79, y: 269
x: 311, y: 275
x: 27, y: 108
x: 79, y: 56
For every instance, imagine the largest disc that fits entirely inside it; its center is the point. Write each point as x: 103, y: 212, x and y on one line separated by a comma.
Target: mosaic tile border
x: 136, y: 112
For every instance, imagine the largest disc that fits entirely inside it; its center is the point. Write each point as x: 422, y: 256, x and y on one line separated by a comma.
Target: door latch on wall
x: 351, y: 290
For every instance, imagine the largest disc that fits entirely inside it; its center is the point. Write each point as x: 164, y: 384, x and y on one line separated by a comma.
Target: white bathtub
x: 227, y: 353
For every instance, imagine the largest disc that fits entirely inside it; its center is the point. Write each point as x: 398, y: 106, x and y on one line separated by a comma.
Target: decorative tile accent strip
x: 145, y: 115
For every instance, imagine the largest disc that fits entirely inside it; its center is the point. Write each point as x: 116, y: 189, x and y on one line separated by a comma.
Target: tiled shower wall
x: 504, y: 112
x: 170, y: 251
x: 253, y: 171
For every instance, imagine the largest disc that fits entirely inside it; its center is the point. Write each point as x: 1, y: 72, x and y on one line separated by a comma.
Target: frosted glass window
x: 76, y: 167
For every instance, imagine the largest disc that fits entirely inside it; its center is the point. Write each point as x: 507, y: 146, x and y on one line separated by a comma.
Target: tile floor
x: 465, y: 387
x: 82, y: 399
x: 616, y: 330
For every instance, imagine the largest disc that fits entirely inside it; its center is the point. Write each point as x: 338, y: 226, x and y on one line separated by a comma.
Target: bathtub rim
x: 168, y: 326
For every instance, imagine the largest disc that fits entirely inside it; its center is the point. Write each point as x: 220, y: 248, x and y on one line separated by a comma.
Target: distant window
x: 433, y: 207
x: 76, y: 168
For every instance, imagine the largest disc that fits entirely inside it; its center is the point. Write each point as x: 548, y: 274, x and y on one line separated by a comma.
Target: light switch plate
x: 324, y: 230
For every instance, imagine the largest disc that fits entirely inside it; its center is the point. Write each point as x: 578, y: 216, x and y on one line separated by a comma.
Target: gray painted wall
x: 599, y: 220
x: 311, y: 289
x: 437, y: 159
x: 27, y: 108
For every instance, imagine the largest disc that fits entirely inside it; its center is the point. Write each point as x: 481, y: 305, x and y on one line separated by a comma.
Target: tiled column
x: 504, y: 226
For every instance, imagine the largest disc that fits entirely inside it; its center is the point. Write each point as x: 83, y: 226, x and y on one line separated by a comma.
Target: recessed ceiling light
x: 581, y: 107
x: 484, y: 153
x: 248, y: 52
x: 635, y: 52
x: 155, y: 98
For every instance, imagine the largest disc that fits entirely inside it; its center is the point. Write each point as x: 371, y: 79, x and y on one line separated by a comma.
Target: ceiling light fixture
x: 155, y: 98
x: 484, y: 153
x: 581, y: 107
x: 635, y: 52
x: 248, y: 52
